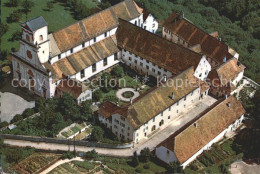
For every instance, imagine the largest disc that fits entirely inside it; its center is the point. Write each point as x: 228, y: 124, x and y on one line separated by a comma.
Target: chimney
x: 196, y: 124
x: 228, y: 104
x: 196, y: 48
x: 214, y: 34
x: 224, y: 59
x: 172, y: 96
x: 181, y: 16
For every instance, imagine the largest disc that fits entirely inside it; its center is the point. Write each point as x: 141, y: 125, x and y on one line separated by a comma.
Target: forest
x: 237, y: 21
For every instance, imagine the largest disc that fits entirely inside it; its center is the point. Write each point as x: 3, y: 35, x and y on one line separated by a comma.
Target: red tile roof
x: 165, y: 54
x: 210, y: 46
x: 188, y: 142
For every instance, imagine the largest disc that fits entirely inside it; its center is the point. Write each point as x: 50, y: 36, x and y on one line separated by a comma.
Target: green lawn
x: 57, y: 18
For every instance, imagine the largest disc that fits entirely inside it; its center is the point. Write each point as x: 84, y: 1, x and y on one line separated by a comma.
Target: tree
x: 104, y: 5
x: 27, y: 6
x: 145, y: 154
x: 28, y: 112
x: 16, y: 36
x: 3, y: 124
x: 16, y: 118
x: 67, y: 155
x: 12, y: 3
x: 135, y: 160
x: 49, y: 5
x: 68, y: 105
x: 118, y: 71
x: 96, y: 96
x: 81, y: 11
x: 97, y: 134
x: 3, y: 28
x: 175, y: 167
x: 105, y: 82
x: 15, y: 16
x: 86, y: 110
x: 91, y: 154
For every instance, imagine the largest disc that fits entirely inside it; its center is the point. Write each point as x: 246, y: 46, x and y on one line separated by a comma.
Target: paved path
x: 152, y: 142
x: 243, y: 168
x: 120, y: 92
x: 60, y: 162
x: 12, y: 104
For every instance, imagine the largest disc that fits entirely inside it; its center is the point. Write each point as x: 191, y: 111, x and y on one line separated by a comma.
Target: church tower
x: 35, y: 35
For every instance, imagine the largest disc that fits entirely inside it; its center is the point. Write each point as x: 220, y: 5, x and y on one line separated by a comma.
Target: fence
x: 66, y: 142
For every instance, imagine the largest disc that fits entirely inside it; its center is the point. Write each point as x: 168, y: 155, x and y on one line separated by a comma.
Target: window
x: 95, y: 39
x: 141, y: 64
x: 40, y: 38
x: 177, y: 103
x: 94, y: 67
x: 137, y: 134
x: 135, y: 61
x: 162, y: 114
x: 105, y: 34
x: 185, y: 98
x: 71, y: 50
x: 147, y: 67
x: 167, y: 152
x: 82, y: 73
x: 153, y: 70
x: 170, y: 108
x: 154, y: 119
x: 130, y: 58
x: 128, y: 128
x: 147, y: 61
x: 27, y: 37
x: 177, y: 111
x: 59, y: 56
x: 191, y: 93
x: 145, y: 27
x: 169, y: 117
x: 159, y: 73
x: 135, y: 22
x: 105, y: 62
x: 83, y: 45
x: 115, y: 57
x: 29, y: 54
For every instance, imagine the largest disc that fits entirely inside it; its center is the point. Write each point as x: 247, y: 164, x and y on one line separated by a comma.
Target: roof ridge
x: 91, y: 15
x: 160, y: 37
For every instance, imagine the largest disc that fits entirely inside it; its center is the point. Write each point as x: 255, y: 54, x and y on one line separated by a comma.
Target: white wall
x: 202, y: 69
x: 160, y: 151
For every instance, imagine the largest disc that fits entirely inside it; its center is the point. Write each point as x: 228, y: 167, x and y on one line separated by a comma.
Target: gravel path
x: 120, y: 92
x: 243, y: 168
x: 12, y: 104
x: 151, y: 143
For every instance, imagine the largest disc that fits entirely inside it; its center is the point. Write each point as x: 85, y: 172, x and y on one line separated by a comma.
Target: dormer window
x: 83, y: 45
x: 95, y: 39
x: 71, y: 50
x: 40, y: 38
x: 59, y: 56
x: 105, y: 34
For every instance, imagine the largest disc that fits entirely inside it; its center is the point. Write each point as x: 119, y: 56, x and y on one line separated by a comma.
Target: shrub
x: 68, y: 155
x: 91, y: 154
x: 97, y: 133
x: 146, y: 166
x: 28, y: 112
x: 118, y: 71
x: 16, y: 118
x: 3, y: 124
x: 49, y: 5
x: 138, y: 170
x: 135, y: 160
x: 96, y: 96
x: 15, y: 16
x: 12, y: 3
x: 145, y: 155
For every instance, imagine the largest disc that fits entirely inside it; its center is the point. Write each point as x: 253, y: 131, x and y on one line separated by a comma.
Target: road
x: 151, y: 142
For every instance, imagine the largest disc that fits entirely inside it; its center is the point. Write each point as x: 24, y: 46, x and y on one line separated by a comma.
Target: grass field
x: 57, y: 18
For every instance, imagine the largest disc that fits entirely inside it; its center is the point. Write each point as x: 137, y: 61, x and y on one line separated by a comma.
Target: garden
x: 35, y: 162
x: 122, y: 77
x: 217, y: 159
x: 71, y: 130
